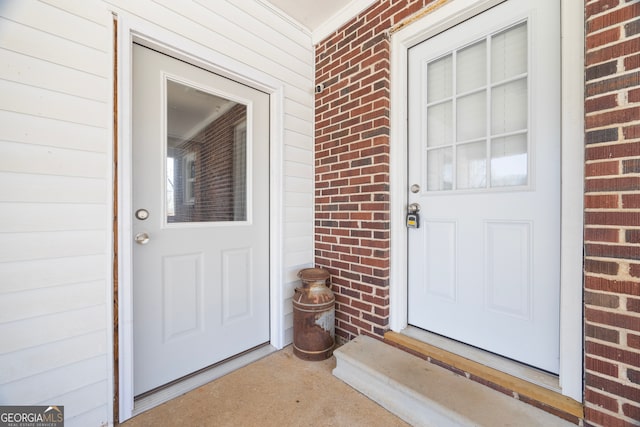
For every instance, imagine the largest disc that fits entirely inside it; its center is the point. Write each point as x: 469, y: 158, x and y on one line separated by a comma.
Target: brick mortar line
x: 623, y: 36
x: 621, y: 416
x: 612, y: 210
x: 609, y: 276
x: 601, y: 14
x: 619, y: 126
x: 605, y: 11
x: 595, y: 161
x: 614, y: 126
x: 616, y: 108
x: 619, y: 106
x: 621, y: 380
x: 618, y: 74
x: 626, y: 383
x: 612, y: 310
x: 624, y: 366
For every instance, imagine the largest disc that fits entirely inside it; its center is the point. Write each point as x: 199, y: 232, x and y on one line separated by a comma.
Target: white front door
x: 200, y: 218
x: 484, y: 167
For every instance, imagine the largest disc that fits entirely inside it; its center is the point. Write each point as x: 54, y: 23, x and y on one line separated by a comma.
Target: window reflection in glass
x: 472, y: 166
x: 509, y: 161
x: 440, y: 169
x: 206, y: 157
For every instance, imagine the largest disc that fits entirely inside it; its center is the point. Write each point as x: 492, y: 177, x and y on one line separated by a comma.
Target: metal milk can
x: 313, y: 316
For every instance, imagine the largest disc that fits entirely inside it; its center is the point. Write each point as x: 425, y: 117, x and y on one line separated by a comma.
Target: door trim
x: 572, y: 175
x: 132, y: 29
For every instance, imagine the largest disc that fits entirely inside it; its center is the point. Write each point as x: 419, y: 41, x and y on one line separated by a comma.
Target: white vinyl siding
x: 55, y: 204
x: 56, y: 172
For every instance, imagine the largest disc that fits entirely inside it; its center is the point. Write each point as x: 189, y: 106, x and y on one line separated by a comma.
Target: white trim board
x: 572, y: 35
x: 132, y: 29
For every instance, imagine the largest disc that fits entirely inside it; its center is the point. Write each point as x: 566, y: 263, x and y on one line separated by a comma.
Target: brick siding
x: 352, y: 169
x: 352, y: 190
x: 612, y: 213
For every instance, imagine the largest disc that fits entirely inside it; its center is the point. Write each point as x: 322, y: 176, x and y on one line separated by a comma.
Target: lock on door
x: 413, y: 216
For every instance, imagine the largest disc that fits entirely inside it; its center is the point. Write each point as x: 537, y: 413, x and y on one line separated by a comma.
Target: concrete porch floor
x: 278, y: 390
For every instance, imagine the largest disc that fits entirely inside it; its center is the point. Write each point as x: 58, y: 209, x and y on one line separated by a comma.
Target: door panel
x: 201, y: 203
x: 484, y: 148
x: 183, y: 288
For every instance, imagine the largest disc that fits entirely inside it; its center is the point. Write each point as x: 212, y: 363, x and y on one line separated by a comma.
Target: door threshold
x: 177, y: 388
x: 523, y: 382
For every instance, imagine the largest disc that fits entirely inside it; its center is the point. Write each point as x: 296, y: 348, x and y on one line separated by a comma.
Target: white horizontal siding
x: 302, y: 95
x: 59, y: 23
x: 58, y: 78
x: 297, y: 109
x: 27, y: 99
x: 235, y: 42
x: 23, y: 128
x: 32, y: 217
x: 86, y: 10
x: 298, y: 169
x: 278, y: 25
x: 31, y: 246
x: 87, y: 410
x: 298, y: 125
x: 55, y: 203
x: 298, y: 185
x: 41, y: 302
x: 298, y: 229
x: 213, y: 17
x: 38, y: 331
x: 49, y: 47
x: 296, y: 154
x: 299, y: 200
x: 47, y: 189
x: 46, y: 160
x: 58, y: 354
x: 64, y: 380
x: 50, y: 272
x: 296, y: 139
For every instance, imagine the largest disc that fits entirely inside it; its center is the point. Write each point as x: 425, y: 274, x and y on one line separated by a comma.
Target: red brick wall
x: 352, y: 167
x: 612, y: 213
x: 352, y: 190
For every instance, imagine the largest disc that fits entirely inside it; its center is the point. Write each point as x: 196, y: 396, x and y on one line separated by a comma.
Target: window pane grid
x: 477, y: 119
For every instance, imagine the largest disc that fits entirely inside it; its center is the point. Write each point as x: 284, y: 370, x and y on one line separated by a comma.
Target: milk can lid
x: 313, y: 274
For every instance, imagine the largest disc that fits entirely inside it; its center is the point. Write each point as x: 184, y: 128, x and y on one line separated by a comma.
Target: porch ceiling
x: 319, y: 16
x: 310, y: 13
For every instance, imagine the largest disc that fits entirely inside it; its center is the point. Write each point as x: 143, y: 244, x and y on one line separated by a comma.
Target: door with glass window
x: 200, y: 219
x: 484, y: 169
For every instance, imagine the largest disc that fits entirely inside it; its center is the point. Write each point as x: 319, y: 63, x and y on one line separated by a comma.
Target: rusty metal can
x: 313, y: 316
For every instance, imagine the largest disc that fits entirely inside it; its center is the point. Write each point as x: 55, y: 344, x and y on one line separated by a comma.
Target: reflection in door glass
x: 171, y: 205
x: 206, y: 157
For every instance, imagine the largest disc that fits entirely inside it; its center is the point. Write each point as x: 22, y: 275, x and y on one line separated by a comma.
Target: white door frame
x: 132, y: 29
x: 572, y: 163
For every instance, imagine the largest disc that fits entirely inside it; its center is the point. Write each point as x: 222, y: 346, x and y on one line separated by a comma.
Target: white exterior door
x: 200, y: 220
x: 484, y: 166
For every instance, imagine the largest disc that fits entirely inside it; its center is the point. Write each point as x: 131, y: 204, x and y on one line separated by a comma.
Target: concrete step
x: 424, y: 394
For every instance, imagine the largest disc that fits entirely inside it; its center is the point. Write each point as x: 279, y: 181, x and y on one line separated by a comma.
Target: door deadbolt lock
x: 142, y: 214
x: 415, y: 188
